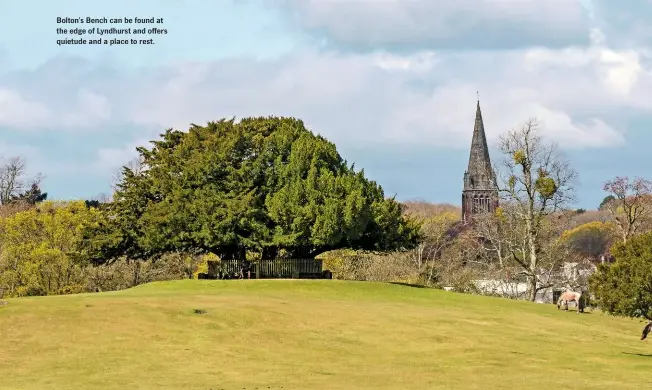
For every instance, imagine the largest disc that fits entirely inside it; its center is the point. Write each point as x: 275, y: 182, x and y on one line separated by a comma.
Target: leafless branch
x: 135, y: 165
x: 536, y: 182
x: 632, y: 204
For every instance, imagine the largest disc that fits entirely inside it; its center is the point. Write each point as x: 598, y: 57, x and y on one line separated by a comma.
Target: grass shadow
x: 408, y: 285
x: 574, y: 312
x: 649, y: 355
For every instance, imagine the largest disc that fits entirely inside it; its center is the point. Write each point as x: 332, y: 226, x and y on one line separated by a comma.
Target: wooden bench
x: 270, y: 269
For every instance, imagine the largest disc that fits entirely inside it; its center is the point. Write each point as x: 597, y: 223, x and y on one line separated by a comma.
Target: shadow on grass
x: 648, y: 355
x: 408, y: 285
x: 575, y: 312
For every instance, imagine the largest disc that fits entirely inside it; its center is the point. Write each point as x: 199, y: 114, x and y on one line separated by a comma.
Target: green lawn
x: 311, y: 335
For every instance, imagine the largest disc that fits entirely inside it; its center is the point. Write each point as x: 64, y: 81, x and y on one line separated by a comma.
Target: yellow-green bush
x: 40, y: 248
x: 202, y: 265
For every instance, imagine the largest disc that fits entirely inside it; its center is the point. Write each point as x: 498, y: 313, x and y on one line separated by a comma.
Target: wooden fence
x: 268, y: 269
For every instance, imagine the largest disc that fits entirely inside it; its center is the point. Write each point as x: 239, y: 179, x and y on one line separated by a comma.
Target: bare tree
x: 504, y: 244
x: 555, y: 252
x: 421, y: 209
x: 496, y: 234
x: 136, y: 165
x: 437, y: 233
x: 11, y: 179
x: 536, y: 182
x: 14, y: 181
x: 104, y: 198
x: 631, y: 204
x: 460, y: 264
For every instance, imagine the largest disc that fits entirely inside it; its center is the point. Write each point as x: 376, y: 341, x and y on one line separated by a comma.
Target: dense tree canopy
x: 625, y: 287
x: 262, y: 184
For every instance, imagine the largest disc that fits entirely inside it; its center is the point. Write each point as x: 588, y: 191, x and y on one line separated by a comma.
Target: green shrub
x: 30, y: 291
x: 72, y: 289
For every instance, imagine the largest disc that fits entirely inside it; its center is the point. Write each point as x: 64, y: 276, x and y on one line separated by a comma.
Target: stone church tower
x: 480, y: 194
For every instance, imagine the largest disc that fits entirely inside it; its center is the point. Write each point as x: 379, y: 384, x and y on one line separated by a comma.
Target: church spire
x: 479, y: 160
x: 480, y: 194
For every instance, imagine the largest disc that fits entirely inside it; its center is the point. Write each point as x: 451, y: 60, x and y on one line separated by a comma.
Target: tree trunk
x: 136, y: 269
x: 431, y: 274
x: 314, y: 253
x: 533, y: 278
x: 532, y: 288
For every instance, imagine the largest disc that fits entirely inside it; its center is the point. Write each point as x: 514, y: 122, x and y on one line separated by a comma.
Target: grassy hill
x: 311, y: 335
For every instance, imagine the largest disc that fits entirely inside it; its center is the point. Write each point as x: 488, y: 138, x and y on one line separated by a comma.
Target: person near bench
x: 246, y: 268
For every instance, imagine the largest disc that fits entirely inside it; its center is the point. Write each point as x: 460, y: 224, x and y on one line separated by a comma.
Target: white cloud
x: 84, y: 110
x: 620, y: 70
x: 9, y: 150
x: 16, y: 111
x: 625, y: 26
x: 91, y: 110
x: 425, y: 99
x: 621, y: 74
x: 572, y: 134
x: 449, y: 111
x: 113, y: 159
x: 419, y: 99
x: 429, y: 24
x: 420, y: 62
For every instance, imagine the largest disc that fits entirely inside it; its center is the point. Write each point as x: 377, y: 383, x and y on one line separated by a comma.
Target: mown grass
x: 311, y: 335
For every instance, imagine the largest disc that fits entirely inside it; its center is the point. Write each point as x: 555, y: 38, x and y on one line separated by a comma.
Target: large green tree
x: 262, y: 184
x: 624, y: 288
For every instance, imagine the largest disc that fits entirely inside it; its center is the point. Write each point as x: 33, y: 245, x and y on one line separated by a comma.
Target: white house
x: 571, y: 276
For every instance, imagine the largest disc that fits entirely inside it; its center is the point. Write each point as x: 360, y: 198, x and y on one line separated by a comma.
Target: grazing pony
x: 646, y: 330
x: 571, y: 296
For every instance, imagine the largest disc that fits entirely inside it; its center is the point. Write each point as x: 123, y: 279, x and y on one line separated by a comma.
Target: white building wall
x: 518, y: 290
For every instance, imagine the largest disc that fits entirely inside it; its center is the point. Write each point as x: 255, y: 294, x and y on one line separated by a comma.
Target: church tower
x: 480, y: 194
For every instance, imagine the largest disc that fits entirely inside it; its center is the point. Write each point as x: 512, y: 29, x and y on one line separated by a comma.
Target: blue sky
x: 392, y: 83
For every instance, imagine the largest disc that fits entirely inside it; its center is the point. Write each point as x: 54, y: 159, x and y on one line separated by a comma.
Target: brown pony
x: 646, y: 330
x: 571, y: 296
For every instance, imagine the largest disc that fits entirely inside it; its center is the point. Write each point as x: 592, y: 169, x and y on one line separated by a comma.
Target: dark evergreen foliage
x: 262, y: 184
x: 624, y: 288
